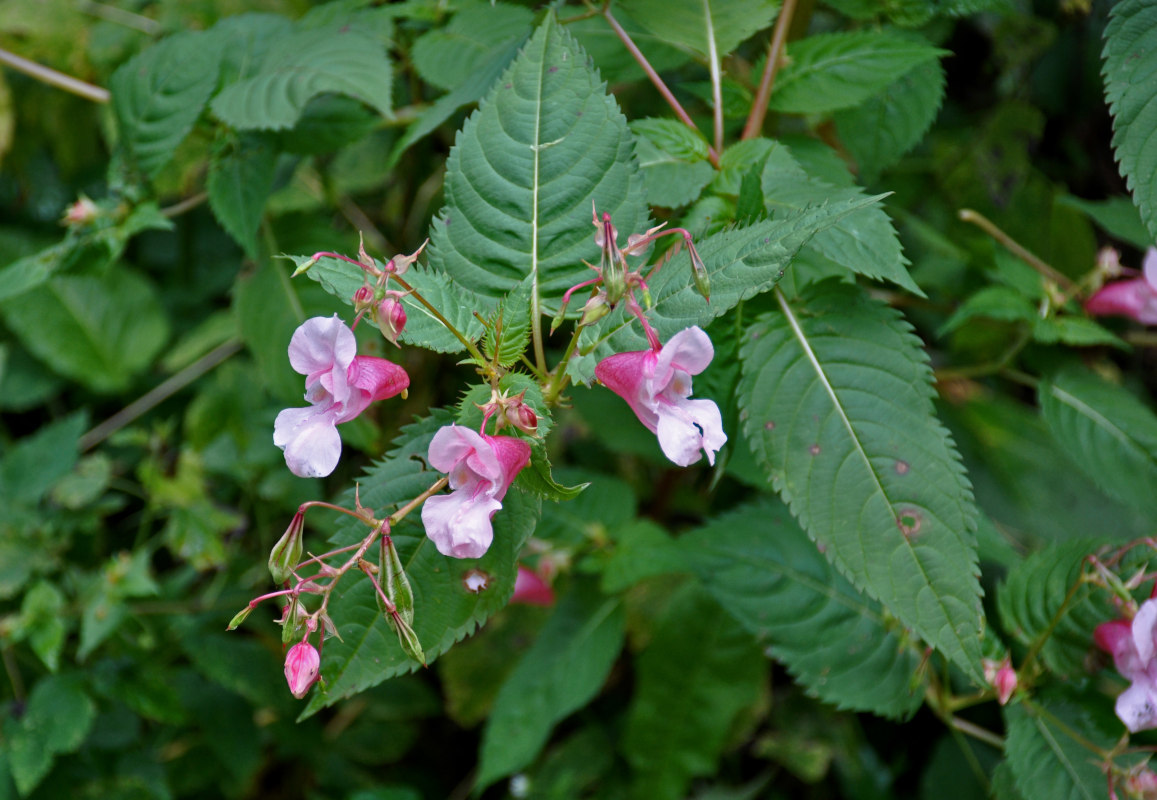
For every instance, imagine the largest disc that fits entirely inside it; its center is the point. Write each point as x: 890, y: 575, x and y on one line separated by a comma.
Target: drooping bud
x: 364, y: 298
x: 595, y: 309
x: 394, y: 581
x: 699, y: 272
x: 391, y: 316
x: 302, y: 668
x: 287, y: 551
x: 520, y: 415
x: 82, y: 212
x: 239, y: 618
x: 1001, y: 676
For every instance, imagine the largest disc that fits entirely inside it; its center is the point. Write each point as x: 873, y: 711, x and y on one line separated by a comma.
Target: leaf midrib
x: 1098, y: 419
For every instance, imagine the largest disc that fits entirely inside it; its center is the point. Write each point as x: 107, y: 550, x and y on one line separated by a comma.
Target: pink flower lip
x: 657, y: 387
x: 1135, y: 297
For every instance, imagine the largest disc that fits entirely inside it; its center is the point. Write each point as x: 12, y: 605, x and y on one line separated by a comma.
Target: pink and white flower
x: 339, y: 385
x: 1135, y: 297
x: 481, y: 469
x: 1134, y: 650
x: 657, y: 386
x: 302, y: 668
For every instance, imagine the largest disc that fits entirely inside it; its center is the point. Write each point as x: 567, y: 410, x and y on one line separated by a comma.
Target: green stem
x: 559, y: 379
x: 998, y: 365
x: 54, y: 78
x: 1014, y: 247
x: 469, y: 345
x: 754, y: 125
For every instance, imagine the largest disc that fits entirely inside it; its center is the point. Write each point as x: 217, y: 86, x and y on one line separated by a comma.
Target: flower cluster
x: 1133, y: 645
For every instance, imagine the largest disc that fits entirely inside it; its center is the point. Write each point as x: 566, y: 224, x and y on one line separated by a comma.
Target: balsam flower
x: 339, y: 385
x: 1134, y: 650
x: 1135, y: 297
x: 657, y: 386
x: 302, y: 665
x: 481, y: 469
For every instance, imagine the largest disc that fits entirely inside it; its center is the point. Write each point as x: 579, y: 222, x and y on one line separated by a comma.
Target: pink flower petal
x: 1143, y: 629
x: 1149, y: 268
x: 1137, y: 706
x: 455, y: 446
x: 626, y: 374
x: 689, y: 350
x: 311, y: 442
x: 322, y: 349
x: 459, y: 524
x: 512, y: 454
x: 378, y: 377
x: 530, y: 589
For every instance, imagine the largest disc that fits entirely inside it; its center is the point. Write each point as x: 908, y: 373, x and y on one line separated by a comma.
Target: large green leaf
x: 300, y: 66
x: 445, y: 610
x: 56, y: 720
x: 830, y: 71
x: 341, y: 279
x: 706, y: 26
x: 836, y: 399
x: 78, y: 326
x: 564, y: 668
x: 1109, y: 434
x: 450, y: 56
x: 699, y: 671
x: 740, y: 262
x: 882, y: 129
x: 1130, y: 62
x: 760, y: 566
x: 159, y: 94
x: 240, y: 179
x: 525, y: 169
x: 1034, y: 602
x: 1047, y: 762
x: 674, y: 160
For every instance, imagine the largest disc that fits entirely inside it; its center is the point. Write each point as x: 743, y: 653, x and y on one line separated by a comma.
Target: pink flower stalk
x: 339, y: 385
x: 1135, y: 297
x: 481, y: 469
x: 302, y: 668
x: 1134, y: 651
x: 530, y: 589
x: 657, y: 385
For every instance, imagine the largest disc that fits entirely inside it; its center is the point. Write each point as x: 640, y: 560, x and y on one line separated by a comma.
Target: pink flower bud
x: 82, y: 212
x: 363, y: 297
x: 519, y: 414
x: 391, y: 316
x: 530, y: 589
x: 302, y: 664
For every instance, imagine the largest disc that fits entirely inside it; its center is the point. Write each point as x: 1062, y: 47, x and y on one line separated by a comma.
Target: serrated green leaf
x: 1032, y: 602
x: 302, y: 65
x: 699, y: 671
x: 76, y: 324
x: 456, y: 304
x: 831, y: 71
x: 991, y: 302
x: 1107, y: 432
x: 449, y: 57
x: 562, y: 671
x: 159, y: 94
x: 706, y: 26
x: 445, y: 611
x: 741, y: 263
x: 885, y: 127
x: 761, y: 567
x: 508, y: 333
x: 1130, y: 62
x: 57, y: 719
x: 673, y: 159
x: 1047, y: 763
x: 240, y: 179
x: 526, y: 167
x: 1074, y: 330
x: 836, y: 398
x: 864, y: 242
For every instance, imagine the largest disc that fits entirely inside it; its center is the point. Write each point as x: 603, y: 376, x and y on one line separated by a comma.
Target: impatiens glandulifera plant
x: 831, y: 368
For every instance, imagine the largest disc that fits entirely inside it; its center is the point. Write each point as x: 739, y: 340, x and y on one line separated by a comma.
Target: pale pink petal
x: 530, y: 589
x: 689, y: 350
x: 1137, y: 706
x: 625, y: 374
x: 322, y: 349
x: 465, y: 455
x: 512, y: 454
x: 1143, y: 629
x: 311, y: 443
x: 687, y: 427
x: 1116, y: 638
x: 1149, y: 267
x: 378, y: 377
x: 459, y: 523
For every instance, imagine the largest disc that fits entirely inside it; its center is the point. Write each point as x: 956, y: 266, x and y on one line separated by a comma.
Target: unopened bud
x: 305, y: 266
x: 239, y: 618
x: 530, y: 589
x: 82, y: 212
x: 1001, y: 676
x: 595, y: 309
x: 391, y: 316
x: 302, y: 668
x: 522, y: 417
x: 292, y: 622
x: 363, y: 298
x: 407, y: 638
x: 287, y: 552
x: 699, y: 272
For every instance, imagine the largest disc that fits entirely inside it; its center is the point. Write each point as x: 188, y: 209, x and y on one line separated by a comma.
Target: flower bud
x: 302, y: 667
x: 394, y: 581
x: 530, y: 589
x: 364, y: 298
x: 522, y: 417
x: 82, y: 212
x: 699, y: 271
x: 1001, y: 676
x: 407, y: 638
x: 391, y: 316
x: 287, y: 552
x: 239, y: 618
x: 595, y: 309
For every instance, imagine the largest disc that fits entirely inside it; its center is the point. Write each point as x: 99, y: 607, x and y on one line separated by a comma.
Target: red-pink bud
x: 363, y: 297
x: 530, y: 589
x: 82, y: 212
x: 391, y: 316
x: 521, y: 416
x: 302, y: 665
x: 1001, y: 676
